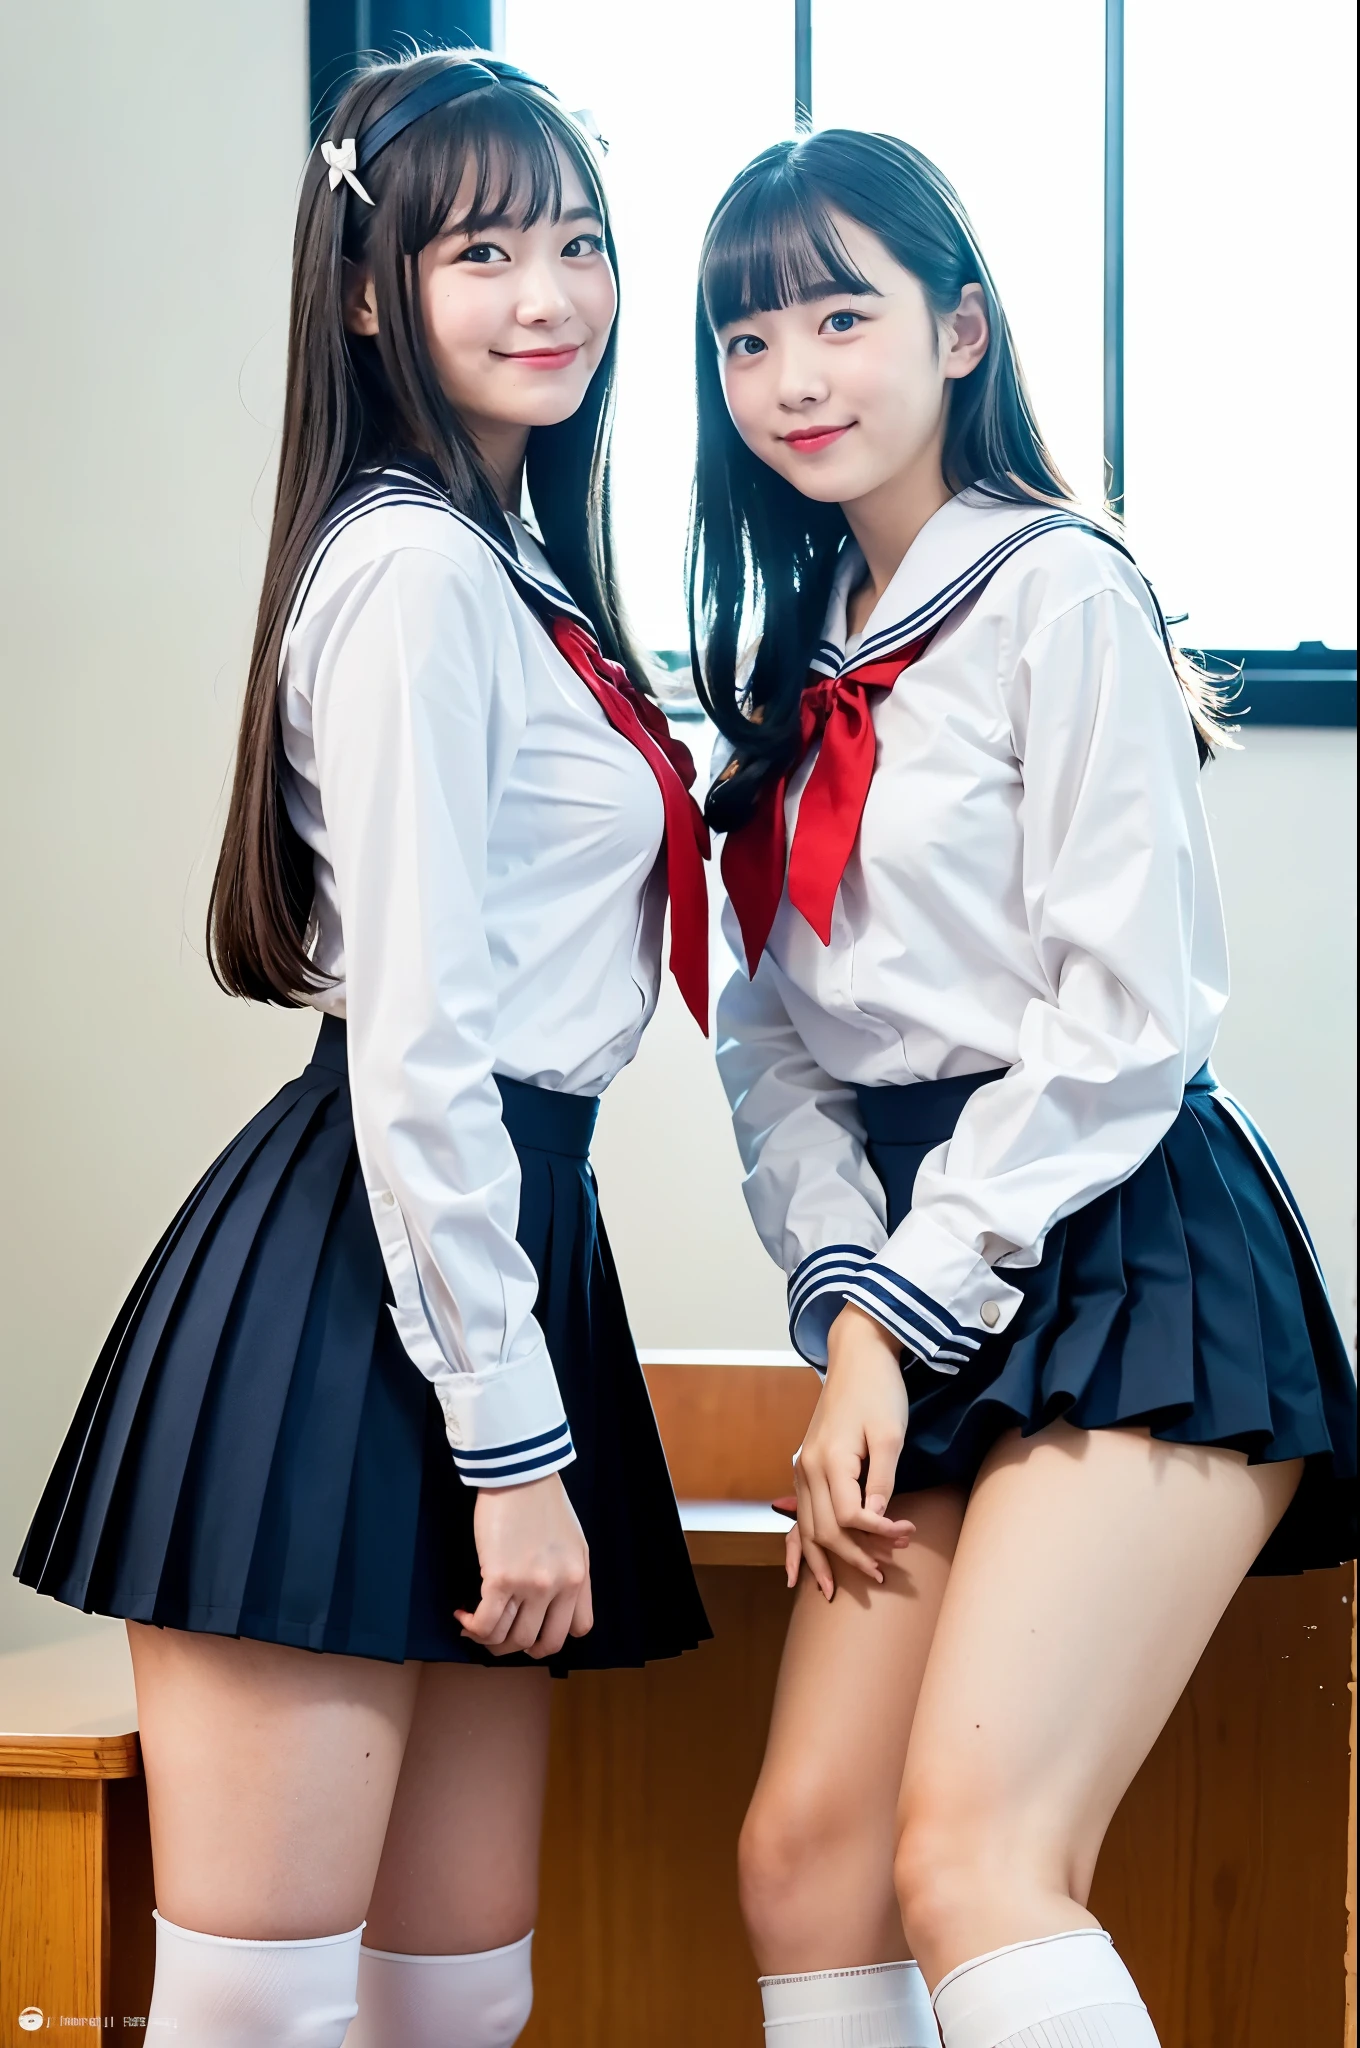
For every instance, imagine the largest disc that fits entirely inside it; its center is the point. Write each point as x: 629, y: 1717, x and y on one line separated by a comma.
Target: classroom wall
x: 151, y: 152
x: 153, y: 161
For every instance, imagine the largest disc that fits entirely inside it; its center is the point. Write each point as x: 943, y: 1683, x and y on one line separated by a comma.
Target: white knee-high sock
x: 1065, y: 1991
x: 884, y: 2005
x: 473, y: 2001
x: 215, y: 1992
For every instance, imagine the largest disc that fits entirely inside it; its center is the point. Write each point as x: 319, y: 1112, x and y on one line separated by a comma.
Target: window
x: 1236, y: 243
x: 1240, y: 317
x: 685, y: 96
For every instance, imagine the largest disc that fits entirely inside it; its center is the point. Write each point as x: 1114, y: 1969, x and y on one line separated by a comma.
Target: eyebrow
x: 490, y: 221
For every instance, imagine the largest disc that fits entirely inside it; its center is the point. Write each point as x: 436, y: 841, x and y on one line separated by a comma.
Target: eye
x: 746, y: 345
x: 841, y: 323
x: 483, y: 253
x: 585, y: 245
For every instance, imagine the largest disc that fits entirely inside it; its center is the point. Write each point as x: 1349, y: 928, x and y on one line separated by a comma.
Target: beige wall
x: 154, y: 151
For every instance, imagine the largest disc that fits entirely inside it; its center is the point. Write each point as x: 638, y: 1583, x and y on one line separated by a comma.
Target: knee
x: 944, y: 1861
x: 791, y: 1835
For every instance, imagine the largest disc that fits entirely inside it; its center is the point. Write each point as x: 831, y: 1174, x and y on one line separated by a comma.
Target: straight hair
x: 761, y: 555
x: 355, y: 403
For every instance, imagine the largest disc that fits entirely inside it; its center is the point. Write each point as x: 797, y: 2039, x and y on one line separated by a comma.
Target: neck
x: 887, y: 520
x: 503, y: 448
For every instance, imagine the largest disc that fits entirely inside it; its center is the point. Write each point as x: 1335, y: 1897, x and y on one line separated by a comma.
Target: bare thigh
x: 1091, y: 1571
x: 459, y: 1869
x: 270, y: 1776
x: 817, y: 1847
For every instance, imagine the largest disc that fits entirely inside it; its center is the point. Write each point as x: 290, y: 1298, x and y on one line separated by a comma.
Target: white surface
x: 733, y: 1517
x: 1240, y: 423
x: 79, y: 1687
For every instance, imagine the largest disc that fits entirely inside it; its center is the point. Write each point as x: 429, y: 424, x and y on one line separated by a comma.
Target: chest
x: 566, y: 779
x: 947, y: 785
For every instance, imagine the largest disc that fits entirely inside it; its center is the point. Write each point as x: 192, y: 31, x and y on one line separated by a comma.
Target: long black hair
x: 353, y: 402
x: 762, y: 556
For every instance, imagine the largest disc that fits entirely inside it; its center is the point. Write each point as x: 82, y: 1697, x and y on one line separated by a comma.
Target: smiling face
x: 846, y: 392
x: 517, y: 316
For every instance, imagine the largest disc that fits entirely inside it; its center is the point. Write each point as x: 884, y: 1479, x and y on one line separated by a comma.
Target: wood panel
x: 640, y: 1938
x: 69, y: 1756
x: 52, y: 1854
x: 131, y: 1898
x: 730, y: 1431
x: 1223, y: 1874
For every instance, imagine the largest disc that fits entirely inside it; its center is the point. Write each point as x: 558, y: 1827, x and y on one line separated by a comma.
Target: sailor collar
x: 404, y: 484
x: 957, y: 550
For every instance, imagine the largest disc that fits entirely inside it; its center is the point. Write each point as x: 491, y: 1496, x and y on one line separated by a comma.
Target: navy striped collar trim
x: 913, y: 624
x: 396, y: 485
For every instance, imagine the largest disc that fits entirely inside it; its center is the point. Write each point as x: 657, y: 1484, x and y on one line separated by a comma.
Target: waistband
x: 925, y: 1112
x: 538, y: 1119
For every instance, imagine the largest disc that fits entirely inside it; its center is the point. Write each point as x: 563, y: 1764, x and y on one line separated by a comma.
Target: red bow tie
x: 643, y: 722
x: 834, y: 709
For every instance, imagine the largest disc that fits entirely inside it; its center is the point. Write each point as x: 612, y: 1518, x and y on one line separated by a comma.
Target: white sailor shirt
x: 488, y: 901
x: 1033, y: 888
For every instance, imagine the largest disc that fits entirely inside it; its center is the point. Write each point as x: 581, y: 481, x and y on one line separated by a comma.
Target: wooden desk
x: 1223, y: 1878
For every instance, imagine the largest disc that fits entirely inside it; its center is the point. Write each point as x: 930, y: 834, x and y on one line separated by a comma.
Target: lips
x: 542, y: 358
x: 809, y: 439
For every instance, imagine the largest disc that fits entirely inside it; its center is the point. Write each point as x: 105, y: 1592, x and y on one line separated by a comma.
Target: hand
x: 535, y: 1570
x: 861, y: 1415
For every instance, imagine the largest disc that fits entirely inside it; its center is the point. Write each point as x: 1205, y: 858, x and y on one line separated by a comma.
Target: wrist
x: 856, y: 1333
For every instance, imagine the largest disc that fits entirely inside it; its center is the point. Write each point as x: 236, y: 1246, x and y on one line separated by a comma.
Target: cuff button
x: 991, y: 1313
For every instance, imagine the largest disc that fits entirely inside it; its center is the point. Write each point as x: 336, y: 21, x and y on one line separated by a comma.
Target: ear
x: 361, y: 305
x: 966, y: 333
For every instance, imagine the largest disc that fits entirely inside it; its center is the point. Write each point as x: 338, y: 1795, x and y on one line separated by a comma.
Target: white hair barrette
x: 344, y: 162
x: 583, y: 118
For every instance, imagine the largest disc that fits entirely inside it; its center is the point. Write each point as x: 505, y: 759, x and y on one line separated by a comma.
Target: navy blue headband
x: 449, y: 84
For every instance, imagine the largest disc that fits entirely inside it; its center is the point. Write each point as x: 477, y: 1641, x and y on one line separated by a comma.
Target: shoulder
x: 418, y: 549
x: 1068, y: 569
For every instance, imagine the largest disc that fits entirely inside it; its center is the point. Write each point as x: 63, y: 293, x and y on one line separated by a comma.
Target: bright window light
x: 1009, y: 101
x: 1240, y: 320
x: 685, y: 96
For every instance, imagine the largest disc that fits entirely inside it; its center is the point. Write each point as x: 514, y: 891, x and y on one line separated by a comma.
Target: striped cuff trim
x: 906, y: 1321
x: 508, y: 1461
x: 913, y: 1301
x: 823, y: 1269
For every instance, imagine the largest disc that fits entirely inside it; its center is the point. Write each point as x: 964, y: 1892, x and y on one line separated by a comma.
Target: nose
x: 800, y: 377
x: 543, y: 300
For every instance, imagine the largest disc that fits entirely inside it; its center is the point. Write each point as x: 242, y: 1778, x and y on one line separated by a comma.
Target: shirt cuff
x: 937, y: 1295
x: 506, y: 1427
x: 817, y: 1294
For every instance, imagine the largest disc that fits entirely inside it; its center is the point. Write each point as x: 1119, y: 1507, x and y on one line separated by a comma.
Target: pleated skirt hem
x: 255, y: 1456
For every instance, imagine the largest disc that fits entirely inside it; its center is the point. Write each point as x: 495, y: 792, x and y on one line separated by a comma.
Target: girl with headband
x: 1079, y: 1369
x: 368, y: 1452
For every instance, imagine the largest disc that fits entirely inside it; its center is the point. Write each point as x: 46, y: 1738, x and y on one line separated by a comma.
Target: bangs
x: 510, y: 147
x: 774, y: 244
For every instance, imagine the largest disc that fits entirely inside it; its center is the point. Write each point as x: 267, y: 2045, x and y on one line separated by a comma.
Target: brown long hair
x: 352, y: 403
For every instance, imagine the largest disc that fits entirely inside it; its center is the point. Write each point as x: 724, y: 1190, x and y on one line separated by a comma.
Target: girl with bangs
x: 368, y: 1452
x: 1080, y: 1373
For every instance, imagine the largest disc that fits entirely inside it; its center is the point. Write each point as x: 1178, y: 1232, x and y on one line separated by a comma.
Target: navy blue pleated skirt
x: 1187, y: 1301
x: 255, y: 1455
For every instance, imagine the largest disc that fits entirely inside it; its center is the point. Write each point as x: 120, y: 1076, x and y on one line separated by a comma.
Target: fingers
x: 583, y: 1616
x: 494, y: 1616
x: 831, y: 1536
x: 814, y: 1556
x: 793, y: 1557
x: 556, y: 1625
x: 885, y: 1448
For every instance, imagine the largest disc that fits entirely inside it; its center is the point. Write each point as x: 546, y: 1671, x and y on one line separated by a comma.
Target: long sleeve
x: 1113, y: 835
x: 816, y: 1203
x: 416, y: 711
